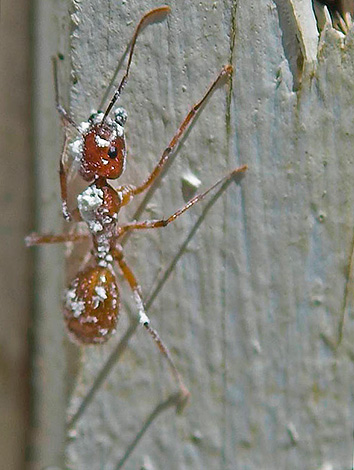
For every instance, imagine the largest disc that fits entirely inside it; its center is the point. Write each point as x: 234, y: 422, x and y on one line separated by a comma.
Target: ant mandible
x: 91, y: 302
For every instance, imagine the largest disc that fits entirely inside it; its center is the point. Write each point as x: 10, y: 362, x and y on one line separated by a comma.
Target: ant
x: 91, y: 302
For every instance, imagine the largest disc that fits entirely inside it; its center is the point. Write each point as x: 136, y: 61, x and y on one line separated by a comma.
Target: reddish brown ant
x: 91, y: 305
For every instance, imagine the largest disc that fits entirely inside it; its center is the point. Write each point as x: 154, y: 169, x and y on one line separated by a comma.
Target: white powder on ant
x: 75, y: 306
x: 88, y: 202
x: 101, y: 292
x: 89, y: 319
x: 143, y: 318
x: 103, y: 250
x: 90, y: 199
x: 95, y: 227
x: 101, y: 142
x: 76, y: 148
x: 119, y: 130
x: 84, y: 126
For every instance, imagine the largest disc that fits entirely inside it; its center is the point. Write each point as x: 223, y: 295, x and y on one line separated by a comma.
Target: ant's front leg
x: 163, y: 222
x: 63, y: 174
x: 67, y: 121
x: 145, y: 322
x: 131, y: 191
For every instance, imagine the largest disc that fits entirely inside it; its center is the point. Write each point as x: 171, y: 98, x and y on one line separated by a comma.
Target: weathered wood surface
x: 251, y: 311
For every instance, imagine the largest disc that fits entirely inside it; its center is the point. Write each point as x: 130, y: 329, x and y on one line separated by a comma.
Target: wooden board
x: 252, y: 310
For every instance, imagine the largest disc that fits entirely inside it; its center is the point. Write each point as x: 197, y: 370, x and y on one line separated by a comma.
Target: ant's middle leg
x: 163, y: 222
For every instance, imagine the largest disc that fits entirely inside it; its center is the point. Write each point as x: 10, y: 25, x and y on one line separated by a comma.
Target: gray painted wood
x: 251, y: 311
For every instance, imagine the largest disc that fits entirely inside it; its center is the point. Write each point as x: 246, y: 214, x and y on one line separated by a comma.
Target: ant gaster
x: 91, y: 304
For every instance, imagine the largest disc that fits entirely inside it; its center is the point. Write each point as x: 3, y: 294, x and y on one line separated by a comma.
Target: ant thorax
x: 99, y: 205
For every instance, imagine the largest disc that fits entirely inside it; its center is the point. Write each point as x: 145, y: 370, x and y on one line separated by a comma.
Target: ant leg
x: 63, y: 175
x: 63, y: 178
x: 145, y: 322
x: 67, y: 120
x: 148, y: 15
x: 163, y: 222
x: 226, y: 70
x: 36, y: 239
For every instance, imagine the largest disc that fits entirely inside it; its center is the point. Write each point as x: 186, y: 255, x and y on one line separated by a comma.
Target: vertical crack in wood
x: 291, y: 43
x: 224, y: 378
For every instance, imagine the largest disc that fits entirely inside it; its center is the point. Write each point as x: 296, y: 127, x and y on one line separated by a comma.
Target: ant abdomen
x: 91, y: 305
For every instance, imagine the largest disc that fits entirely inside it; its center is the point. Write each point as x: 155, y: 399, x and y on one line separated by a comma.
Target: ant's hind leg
x: 145, y: 322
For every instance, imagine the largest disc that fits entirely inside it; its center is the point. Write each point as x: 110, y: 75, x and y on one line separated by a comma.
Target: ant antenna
x: 156, y: 11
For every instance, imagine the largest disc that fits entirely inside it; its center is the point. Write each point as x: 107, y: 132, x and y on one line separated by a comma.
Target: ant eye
x: 112, y: 152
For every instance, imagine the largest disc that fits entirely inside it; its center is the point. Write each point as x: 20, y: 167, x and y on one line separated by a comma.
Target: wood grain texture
x: 251, y: 310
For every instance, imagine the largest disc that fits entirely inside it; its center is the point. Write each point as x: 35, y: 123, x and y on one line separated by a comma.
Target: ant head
x: 104, y: 149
